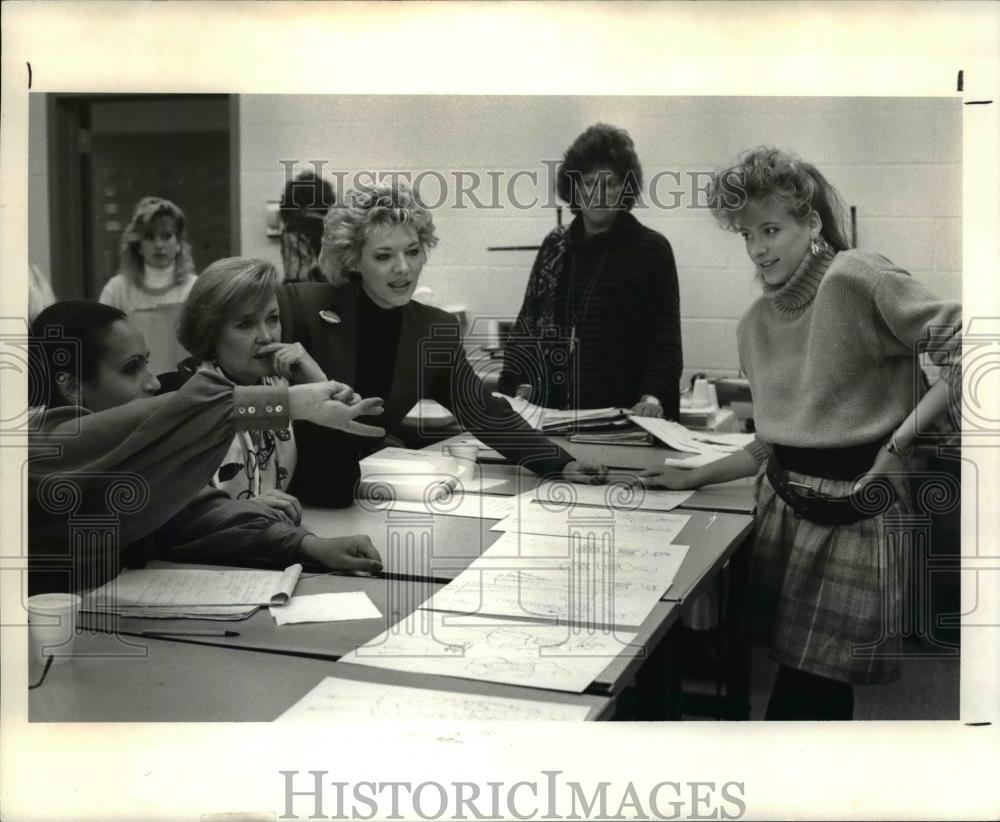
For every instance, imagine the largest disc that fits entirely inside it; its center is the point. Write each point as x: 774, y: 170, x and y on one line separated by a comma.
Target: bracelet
x: 650, y: 399
x: 893, y: 448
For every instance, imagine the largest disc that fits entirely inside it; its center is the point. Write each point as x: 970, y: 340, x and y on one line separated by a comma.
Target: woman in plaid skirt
x: 830, y: 350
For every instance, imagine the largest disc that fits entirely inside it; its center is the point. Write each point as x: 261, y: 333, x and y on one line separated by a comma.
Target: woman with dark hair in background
x: 96, y: 426
x: 363, y: 326
x: 600, y: 322
x: 304, y: 204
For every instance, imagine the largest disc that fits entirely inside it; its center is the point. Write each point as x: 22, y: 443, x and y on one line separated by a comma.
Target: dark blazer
x: 430, y: 363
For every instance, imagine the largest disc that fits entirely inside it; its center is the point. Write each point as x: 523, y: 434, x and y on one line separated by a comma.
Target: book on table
x: 192, y: 593
x: 565, y: 421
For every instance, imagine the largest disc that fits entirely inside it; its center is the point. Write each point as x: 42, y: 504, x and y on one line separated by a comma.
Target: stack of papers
x: 398, y: 479
x: 400, y: 473
x: 184, y: 593
x: 553, y: 421
x: 703, y: 447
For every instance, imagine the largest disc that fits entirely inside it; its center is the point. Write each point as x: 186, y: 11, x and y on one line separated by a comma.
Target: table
x: 232, y: 685
x: 235, y: 677
x: 736, y: 497
x: 395, y: 599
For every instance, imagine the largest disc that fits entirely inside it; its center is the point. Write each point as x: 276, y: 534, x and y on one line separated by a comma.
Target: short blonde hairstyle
x: 348, y: 225
x: 147, y: 211
x: 222, y: 289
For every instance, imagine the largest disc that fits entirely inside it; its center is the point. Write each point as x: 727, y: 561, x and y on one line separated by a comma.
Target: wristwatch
x: 650, y: 399
x: 893, y: 448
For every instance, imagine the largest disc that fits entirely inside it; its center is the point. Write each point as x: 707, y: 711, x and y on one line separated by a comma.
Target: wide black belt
x: 875, y: 498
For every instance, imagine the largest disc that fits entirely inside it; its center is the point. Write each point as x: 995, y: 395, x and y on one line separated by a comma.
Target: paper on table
x: 572, y: 580
x: 347, y: 699
x: 543, y: 418
x: 482, y: 449
x: 184, y: 586
x: 678, y: 437
x: 536, y: 655
x: 326, y: 608
x: 695, y: 460
x: 215, y: 612
x: 634, y: 529
x: 619, y: 496
x: 477, y: 506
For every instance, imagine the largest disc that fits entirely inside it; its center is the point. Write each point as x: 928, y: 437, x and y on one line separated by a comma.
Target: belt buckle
x: 808, y: 489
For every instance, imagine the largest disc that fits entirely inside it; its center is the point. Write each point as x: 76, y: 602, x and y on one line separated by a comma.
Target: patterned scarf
x: 539, y: 309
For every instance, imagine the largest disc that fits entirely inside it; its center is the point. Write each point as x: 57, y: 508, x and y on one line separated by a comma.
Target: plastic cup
x: 701, y: 396
x: 52, y: 626
x: 465, y: 456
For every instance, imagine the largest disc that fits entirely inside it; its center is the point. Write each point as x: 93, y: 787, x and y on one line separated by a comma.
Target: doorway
x: 108, y: 151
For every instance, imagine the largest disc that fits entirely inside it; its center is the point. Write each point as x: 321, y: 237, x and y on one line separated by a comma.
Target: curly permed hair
x: 600, y: 146
x: 347, y: 225
x: 770, y: 175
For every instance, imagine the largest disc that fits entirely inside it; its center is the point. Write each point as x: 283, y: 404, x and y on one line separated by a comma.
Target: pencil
x: 190, y: 633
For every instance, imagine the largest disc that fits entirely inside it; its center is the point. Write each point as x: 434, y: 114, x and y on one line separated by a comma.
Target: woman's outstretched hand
x: 334, y: 405
x: 585, y: 473
x: 674, y: 479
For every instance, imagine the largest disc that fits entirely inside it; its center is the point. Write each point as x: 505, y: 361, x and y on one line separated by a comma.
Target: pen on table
x: 190, y: 633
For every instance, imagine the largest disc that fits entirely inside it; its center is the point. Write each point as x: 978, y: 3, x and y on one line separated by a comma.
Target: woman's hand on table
x: 673, y: 479
x: 285, y: 504
x: 646, y: 408
x: 354, y: 553
x: 585, y: 473
x: 334, y: 405
x: 293, y: 362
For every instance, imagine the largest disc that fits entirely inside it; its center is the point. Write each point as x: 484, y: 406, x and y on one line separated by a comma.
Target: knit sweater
x: 831, y: 355
x: 155, y: 314
x: 619, y: 292
x: 143, y: 469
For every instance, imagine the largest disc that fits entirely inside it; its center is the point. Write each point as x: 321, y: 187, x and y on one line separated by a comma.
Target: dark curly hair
x: 600, y: 146
x: 770, y: 175
x: 306, y: 200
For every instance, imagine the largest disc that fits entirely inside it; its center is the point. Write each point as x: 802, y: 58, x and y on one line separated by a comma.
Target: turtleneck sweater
x: 831, y: 355
x: 158, y: 280
x: 378, y: 342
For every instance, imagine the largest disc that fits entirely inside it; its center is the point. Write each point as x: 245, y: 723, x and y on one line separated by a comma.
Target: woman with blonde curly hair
x: 830, y: 349
x: 364, y: 327
x: 155, y: 274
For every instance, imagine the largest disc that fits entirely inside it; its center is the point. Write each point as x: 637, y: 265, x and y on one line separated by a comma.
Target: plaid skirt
x: 828, y: 598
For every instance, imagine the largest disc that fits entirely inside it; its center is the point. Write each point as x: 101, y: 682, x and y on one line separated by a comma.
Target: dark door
x: 129, y: 147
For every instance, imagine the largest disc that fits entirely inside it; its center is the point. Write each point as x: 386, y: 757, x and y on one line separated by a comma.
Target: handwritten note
x: 186, y: 586
x: 326, y: 608
x: 336, y: 698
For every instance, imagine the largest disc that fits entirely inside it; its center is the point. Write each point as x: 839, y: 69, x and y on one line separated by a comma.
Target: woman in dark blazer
x: 363, y: 328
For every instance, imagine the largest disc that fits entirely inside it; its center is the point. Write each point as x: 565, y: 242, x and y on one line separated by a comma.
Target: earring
x: 814, y: 246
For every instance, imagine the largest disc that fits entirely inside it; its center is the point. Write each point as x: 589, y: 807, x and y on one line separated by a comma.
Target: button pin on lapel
x: 328, y: 316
